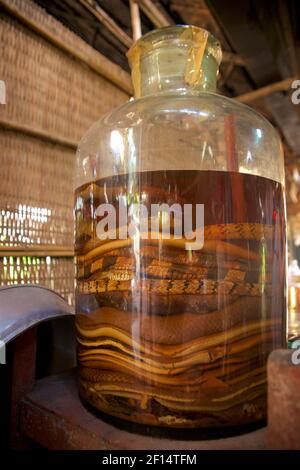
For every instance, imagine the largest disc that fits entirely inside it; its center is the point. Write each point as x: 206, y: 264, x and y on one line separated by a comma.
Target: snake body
x: 172, y: 338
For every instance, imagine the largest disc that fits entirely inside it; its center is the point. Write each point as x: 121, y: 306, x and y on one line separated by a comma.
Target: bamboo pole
x: 96, y: 61
x: 266, y: 90
x: 135, y: 20
x: 38, y: 133
x: 36, y: 250
x: 107, y: 21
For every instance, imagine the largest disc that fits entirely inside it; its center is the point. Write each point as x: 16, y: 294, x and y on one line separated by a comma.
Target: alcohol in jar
x: 178, y: 338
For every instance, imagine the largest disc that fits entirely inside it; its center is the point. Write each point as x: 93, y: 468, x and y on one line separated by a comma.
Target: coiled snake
x: 142, y: 360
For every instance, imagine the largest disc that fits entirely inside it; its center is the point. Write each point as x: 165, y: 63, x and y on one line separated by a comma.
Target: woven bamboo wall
x: 52, y: 98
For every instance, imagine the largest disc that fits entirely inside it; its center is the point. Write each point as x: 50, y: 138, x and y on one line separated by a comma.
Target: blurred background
x: 63, y: 65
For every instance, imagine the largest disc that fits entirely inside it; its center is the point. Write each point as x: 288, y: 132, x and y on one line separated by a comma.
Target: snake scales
x: 175, y: 339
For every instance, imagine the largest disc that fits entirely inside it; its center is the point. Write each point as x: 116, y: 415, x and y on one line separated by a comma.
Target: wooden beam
x: 223, y: 77
x: 37, y: 133
x: 107, y: 21
x: 158, y: 17
x: 96, y: 61
x: 36, y: 250
x: 266, y: 90
x: 288, y: 35
x: 231, y: 57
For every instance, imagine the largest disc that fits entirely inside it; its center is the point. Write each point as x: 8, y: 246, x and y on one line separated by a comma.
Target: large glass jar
x: 176, y: 311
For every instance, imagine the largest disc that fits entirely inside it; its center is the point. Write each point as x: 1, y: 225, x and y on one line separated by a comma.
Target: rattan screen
x: 51, y: 93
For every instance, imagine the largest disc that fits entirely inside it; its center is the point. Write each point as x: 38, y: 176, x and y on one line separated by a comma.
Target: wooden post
x: 237, y: 191
x: 22, y: 378
x: 229, y: 134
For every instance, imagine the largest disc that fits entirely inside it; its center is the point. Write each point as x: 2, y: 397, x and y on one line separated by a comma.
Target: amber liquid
x: 171, y: 337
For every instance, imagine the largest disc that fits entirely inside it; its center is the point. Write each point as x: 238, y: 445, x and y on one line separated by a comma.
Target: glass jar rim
x: 181, y: 35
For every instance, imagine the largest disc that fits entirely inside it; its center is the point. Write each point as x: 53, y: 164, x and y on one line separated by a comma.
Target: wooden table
x: 48, y: 412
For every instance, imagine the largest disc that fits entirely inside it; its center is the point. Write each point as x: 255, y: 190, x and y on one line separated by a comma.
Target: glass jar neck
x: 180, y: 59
